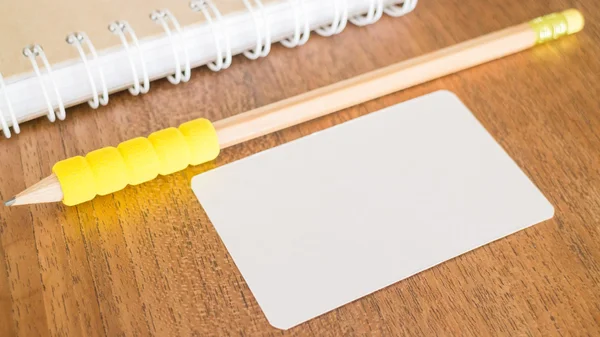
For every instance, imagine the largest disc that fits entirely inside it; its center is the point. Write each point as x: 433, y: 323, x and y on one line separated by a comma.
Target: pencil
x: 101, y: 172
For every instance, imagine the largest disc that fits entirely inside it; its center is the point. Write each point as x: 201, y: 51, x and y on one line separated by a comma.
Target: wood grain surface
x: 146, y: 261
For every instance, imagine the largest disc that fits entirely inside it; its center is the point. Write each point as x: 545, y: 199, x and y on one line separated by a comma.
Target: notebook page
x: 326, y: 219
x: 47, y: 23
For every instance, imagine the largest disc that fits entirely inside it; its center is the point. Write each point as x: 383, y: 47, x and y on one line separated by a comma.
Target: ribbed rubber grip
x: 135, y: 161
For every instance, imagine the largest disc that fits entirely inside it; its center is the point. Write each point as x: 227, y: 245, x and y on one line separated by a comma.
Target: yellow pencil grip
x: 135, y: 161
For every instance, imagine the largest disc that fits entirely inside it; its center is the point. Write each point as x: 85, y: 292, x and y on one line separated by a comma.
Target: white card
x: 326, y: 219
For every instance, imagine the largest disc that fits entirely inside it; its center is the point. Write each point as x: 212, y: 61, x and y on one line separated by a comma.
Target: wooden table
x: 146, y: 261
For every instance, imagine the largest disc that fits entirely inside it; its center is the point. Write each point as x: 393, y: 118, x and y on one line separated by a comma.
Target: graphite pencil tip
x: 10, y: 202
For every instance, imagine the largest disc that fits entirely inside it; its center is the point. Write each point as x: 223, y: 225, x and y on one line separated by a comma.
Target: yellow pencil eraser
x: 556, y: 25
x: 575, y: 20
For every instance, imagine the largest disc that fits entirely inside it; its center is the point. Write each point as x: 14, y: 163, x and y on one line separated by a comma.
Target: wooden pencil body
x: 341, y: 95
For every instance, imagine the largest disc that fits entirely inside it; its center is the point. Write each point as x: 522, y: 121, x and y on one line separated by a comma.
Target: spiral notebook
x: 56, y: 54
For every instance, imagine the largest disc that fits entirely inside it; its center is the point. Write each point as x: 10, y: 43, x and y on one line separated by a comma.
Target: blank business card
x: 329, y: 218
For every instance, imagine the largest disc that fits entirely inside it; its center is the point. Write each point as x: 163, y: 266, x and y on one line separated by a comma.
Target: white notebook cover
x: 334, y: 216
x: 234, y: 29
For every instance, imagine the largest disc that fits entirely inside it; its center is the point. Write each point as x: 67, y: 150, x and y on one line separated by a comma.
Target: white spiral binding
x: 219, y: 30
x: 301, y: 35
x: 120, y: 28
x: 31, y: 52
x: 11, y: 112
x: 78, y: 40
x: 261, y: 50
x: 373, y: 15
x: 206, y: 7
x: 340, y: 19
x: 161, y: 17
x: 401, y: 8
